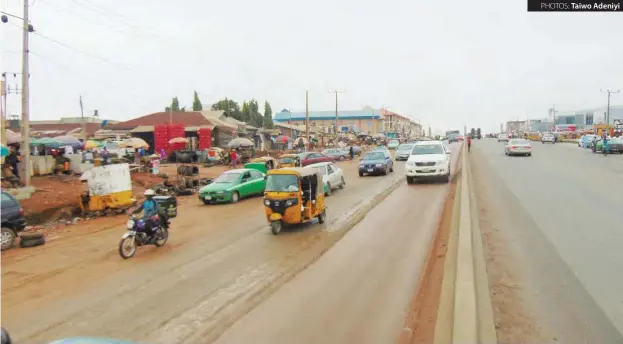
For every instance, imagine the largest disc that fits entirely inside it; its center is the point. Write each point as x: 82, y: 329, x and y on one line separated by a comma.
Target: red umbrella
x: 282, y: 138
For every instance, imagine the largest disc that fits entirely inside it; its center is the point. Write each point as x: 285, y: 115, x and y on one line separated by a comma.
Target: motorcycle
x: 136, y: 236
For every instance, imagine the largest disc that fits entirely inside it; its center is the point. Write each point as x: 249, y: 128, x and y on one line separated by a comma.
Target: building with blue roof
x: 365, y: 121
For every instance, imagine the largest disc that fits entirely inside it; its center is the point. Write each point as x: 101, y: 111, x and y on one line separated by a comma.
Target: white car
x: 548, y: 137
x: 518, y: 147
x: 332, y: 176
x: 428, y: 160
x: 503, y: 137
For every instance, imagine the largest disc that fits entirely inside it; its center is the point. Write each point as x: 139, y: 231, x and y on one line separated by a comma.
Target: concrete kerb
x: 465, y: 314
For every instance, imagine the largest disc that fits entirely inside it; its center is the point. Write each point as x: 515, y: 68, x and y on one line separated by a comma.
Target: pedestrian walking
x: 351, y: 152
x: 234, y: 158
x: 469, y: 143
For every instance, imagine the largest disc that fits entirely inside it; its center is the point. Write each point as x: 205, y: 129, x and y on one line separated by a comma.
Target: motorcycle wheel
x: 163, y: 240
x: 275, y: 227
x: 127, y: 247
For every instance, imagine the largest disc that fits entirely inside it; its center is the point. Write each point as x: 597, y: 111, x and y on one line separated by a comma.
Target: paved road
x: 220, y: 262
x: 359, y: 290
x: 560, y: 213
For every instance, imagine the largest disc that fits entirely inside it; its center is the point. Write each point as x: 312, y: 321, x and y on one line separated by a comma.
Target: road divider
x: 464, y: 314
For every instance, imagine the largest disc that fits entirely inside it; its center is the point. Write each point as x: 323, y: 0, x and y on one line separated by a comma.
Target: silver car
x: 336, y: 153
x: 403, y: 151
x: 518, y: 147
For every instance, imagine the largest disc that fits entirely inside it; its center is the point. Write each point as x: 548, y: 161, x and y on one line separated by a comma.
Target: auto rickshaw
x: 271, y: 163
x: 290, y: 160
x: 293, y: 195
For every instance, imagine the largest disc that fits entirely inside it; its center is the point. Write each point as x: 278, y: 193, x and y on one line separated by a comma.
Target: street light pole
x: 608, y: 108
x: 25, y: 146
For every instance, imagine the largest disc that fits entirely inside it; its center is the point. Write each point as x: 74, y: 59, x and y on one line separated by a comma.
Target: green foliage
x: 268, y: 116
x: 175, y: 104
x: 197, y: 103
x: 231, y: 108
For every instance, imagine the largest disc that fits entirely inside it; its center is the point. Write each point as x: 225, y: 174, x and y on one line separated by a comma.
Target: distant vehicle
x: 403, y: 151
x: 586, y: 141
x: 309, y: 158
x: 336, y: 153
x: 548, y: 137
x: 518, y: 147
x: 13, y: 220
x: 428, y: 160
x: 393, y: 144
x: 615, y: 144
x: 356, y: 150
x: 503, y: 137
x: 376, y: 162
x: 453, y: 135
x: 332, y: 176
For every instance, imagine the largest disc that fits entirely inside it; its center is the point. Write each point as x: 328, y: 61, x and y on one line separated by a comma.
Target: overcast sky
x: 446, y: 63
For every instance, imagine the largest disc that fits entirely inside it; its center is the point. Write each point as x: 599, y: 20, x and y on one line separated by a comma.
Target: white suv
x: 428, y: 160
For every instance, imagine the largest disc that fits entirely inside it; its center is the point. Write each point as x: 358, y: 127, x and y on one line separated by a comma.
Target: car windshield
x: 405, y: 147
x: 427, y: 149
x: 393, y: 142
x: 282, y: 183
x: 320, y: 169
x: 227, y: 178
x: 373, y: 156
x: 520, y: 142
x: 286, y: 160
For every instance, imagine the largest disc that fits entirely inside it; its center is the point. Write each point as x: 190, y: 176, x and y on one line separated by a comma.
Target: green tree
x: 246, y: 115
x: 255, y: 117
x: 197, y: 103
x: 268, y: 116
x: 175, y: 104
x: 231, y: 108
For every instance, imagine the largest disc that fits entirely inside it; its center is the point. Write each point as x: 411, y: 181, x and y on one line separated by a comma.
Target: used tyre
x: 31, y: 236
x: 32, y: 242
x: 8, y: 238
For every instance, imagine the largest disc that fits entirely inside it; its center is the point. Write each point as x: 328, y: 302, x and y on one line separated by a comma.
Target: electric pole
x: 307, y: 114
x: 84, y: 125
x: 25, y: 146
x: 3, y: 110
x: 608, y: 108
x: 336, y: 109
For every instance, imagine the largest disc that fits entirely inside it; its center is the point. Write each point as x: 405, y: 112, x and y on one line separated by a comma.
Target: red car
x: 309, y: 158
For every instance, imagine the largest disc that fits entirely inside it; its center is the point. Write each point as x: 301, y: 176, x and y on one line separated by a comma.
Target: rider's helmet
x: 149, y: 193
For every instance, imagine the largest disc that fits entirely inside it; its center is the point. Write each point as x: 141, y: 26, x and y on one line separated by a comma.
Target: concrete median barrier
x: 465, y: 314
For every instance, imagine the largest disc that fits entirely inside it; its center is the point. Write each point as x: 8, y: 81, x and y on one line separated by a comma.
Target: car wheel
x: 8, y: 238
x: 328, y: 193
x: 360, y: 174
x: 342, y: 158
x: 409, y: 180
x: 446, y: 178
x: 205, y: 201
x: 235, y: 197
x: 529, y: 154
x: 342, y: 184
x: 391, y: 169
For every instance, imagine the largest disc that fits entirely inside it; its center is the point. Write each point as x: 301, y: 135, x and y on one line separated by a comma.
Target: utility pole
x: 608, y: 108
x: 3, y: 110
x: 84, y: 125
x: 25, y: 146
x: 171, y: 112
x: 336, y: 109
x: 554, y: 117
x: 307, y: 114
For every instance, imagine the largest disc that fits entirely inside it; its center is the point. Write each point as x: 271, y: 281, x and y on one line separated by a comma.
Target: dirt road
x: 359, y: 291
x: 219, y: 263
x: 552, y: 239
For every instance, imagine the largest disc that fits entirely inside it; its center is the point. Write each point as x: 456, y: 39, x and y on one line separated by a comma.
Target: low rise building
x: 365, y: 121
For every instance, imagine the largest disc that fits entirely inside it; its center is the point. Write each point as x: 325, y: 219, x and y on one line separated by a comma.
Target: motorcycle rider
x: 150, y: 212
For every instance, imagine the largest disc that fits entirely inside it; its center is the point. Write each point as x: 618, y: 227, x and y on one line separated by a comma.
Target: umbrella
x: 178, y: 140
x: 4, y: 151
x: 282, y: 138
x: 90, y: 144
x: 46, y: 142
x: 134, y: 142
x: 298, y: 140
x: 69, y: 141
x: 240, y: 142
x: 12, y: 137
